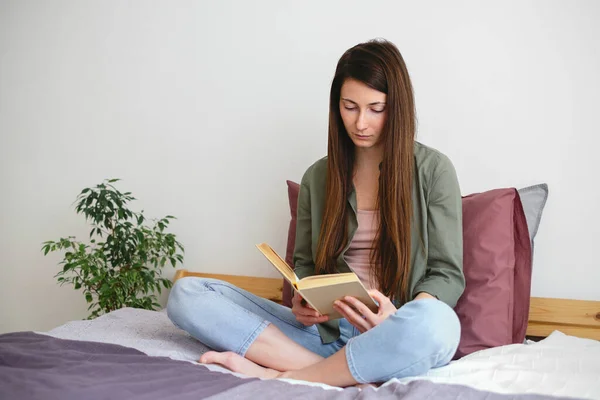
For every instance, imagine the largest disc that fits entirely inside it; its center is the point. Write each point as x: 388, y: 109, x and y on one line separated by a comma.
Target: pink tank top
x: 358, y: 255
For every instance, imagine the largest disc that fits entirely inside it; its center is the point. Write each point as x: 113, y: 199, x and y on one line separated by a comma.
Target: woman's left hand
x: 359, y: 315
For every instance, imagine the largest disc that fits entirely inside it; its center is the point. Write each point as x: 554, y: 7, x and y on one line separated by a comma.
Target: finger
x: 374, y: 292
x: 298, y: 303
x: 354, y: 318
x: 321, y: 319
x: 360, y: 307
x: 301, y: 302
x: 309, y: 312
x: 296, y: 299
x: 313, y: 320
x: 378, y: 296
x: 306, y: 305
x: 305, y: 322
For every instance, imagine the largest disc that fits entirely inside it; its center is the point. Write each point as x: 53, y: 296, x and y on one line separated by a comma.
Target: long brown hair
x: 379, y: 65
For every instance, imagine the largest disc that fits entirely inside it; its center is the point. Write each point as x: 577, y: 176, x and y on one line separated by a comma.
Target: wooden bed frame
x: 572, y: 317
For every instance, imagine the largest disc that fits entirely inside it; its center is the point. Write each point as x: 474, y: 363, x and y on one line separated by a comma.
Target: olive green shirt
x: 437, y: 247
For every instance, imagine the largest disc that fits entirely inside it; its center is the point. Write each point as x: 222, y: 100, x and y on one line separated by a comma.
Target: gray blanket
x: 34, y: 366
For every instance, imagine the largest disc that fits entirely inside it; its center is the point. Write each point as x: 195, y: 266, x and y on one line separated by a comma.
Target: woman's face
x: 364, y: 113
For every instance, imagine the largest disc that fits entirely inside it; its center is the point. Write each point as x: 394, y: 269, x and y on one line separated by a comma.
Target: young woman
x: 380, y: 204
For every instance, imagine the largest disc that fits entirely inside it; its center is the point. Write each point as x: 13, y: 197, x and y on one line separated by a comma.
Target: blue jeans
x: 421, y: 335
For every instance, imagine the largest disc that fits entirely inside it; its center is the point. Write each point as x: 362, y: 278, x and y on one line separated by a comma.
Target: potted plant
x: 121, y: 266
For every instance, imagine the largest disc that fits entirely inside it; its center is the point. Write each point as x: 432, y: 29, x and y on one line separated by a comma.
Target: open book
x: 320, y: 291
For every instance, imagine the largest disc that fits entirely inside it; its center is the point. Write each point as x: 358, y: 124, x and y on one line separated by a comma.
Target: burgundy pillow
x: 494, y: 307
x: 293, y: 189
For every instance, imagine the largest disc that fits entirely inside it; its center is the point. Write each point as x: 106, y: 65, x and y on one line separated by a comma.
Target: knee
x: 181, y: 299
x: 441, y: 327
x: 432, y: 336
x: 186, y: 287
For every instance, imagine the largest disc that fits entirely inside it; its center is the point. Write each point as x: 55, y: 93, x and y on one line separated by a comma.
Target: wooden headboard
x: 572, y: 317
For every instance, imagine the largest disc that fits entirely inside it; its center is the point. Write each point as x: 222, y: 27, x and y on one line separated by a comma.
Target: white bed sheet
x: 559, y: 365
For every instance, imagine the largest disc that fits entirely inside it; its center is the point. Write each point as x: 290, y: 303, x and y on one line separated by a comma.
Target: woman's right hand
x: 305, y: 314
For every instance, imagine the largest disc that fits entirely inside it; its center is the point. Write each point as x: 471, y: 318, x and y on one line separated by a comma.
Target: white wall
x: 205, y: 108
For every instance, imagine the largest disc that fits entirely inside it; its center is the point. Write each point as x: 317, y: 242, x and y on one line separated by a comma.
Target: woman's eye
x: 349, y: 108
x: 378, y: 110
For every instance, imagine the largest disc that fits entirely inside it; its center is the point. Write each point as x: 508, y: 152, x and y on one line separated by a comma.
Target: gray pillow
x: 533, y: 199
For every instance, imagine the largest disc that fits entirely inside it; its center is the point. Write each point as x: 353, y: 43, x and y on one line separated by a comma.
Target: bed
x: 138, y: 354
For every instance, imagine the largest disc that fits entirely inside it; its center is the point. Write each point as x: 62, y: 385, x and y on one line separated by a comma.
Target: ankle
x: 285, y: 375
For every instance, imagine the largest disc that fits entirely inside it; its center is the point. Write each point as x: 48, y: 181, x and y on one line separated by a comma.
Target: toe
x: 210, y: 357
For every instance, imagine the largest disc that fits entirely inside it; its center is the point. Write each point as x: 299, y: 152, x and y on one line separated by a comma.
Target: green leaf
x: 124, y: 268
x: 114, y: 180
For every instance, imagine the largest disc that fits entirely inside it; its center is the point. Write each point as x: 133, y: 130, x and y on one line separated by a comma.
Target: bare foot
x: 366, y: 385
x: 237, y: 363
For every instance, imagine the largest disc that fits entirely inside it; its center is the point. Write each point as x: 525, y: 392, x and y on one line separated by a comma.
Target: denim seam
x: 248, y: 342
x: 259, y: 306
x: 351, y: 365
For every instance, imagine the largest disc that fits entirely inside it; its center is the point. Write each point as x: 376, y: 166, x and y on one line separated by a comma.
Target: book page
x: 279, y: 263
x: 322, y: 298
x: 327, y: 279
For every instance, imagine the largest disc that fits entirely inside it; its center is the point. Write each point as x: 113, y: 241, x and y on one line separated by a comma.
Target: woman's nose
x: 361, y: 122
